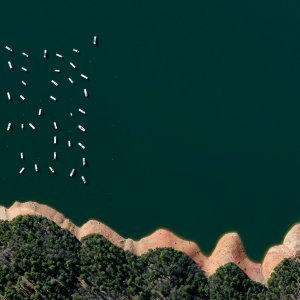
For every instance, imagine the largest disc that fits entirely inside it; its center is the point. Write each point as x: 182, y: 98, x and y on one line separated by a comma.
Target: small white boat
x: 71, y: 80
x: 81, y: 128
x: 83, y: 179
x: 57, y: 70
x: 10, y: 64
x: 51, y: 169
x: 85, y: 93
x: 8, y: 49
x: 84, y: 76
x: 25, y: 54
x: 8, y: 95
x: 22, y: 125
x: 55, y: 125
x: 8, y: 127
x: 80, y: 145
x: 24, y: 69
x: 45, y: 53
x: 71, y: 114
x: 31, y: 125
x: 24, y: 83
x: 22, y: 97
x: 72, y: 172
x: 69, y: 144
x: 54, y: 140
x: 40, y: 112
x: 84, y: 161
x: 53, y: 98
x: 22, y: 155
x: 36, y: 168
x: 82, y: 111
x: 72, y: 65
x: 22, y: 170
x: 76, y: 50
x: 58, y: 55
x: 54, y: 82
x: 54, y: 155
x: 95, y: 40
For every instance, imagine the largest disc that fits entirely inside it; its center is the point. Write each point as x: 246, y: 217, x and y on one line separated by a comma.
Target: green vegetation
x: 107, y: 269
x: 284, y: 283
x: 170, y: 274
x: 230, y: 282
x: 39, y: 260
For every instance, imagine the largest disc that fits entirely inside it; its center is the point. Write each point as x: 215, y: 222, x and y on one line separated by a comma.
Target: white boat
x: 83, y: 179
x: 40, y: 112
x: 84, y: 76
x: 53, y: 98
x: 71, y: 80
x: 71, y: 114
x: 82, y: 111
x: 21, y: 155
x: 24, y: 69
x: 10, y: 64
x: 58, y: 55
x: 8, y: 49
x: 80, y: 145
x: 8, y: 127
x: 36, y: 168
x: 54, y: 155
x: 85, y: 93
x: 22, y: 97
x: 8, y: 96
x: 31, y: 125
x: 24, y: 83
x: 51, y: 169
x: 25, y: 54
x: 76, y: 50
x: 72, y: 172
x: 57, y: 70
x: 81, y: 128
x: 69, y: 144
x: 22, y: 125
x: 54, y: 140
x: 54, y: 82
x: 45, y: 53
x: 22, y: 170
x: 55, y: 125
x: 95, y: 40
x: 84, y: 161
x: 72, y: 65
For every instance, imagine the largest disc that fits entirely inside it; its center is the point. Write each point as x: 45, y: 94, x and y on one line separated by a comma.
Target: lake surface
x: 193, y: 116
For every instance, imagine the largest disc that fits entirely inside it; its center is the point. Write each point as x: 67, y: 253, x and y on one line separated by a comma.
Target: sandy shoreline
x: 228, y: 249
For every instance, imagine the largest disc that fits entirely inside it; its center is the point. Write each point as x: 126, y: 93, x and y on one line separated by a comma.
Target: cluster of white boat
x: 40, y: 111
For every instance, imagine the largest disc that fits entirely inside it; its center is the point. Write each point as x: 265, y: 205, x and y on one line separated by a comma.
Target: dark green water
x: 193, y: 120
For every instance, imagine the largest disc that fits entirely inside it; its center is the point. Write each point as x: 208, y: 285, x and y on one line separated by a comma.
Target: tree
x: 284, y: 282
x: 230, y: 282
x: 170, y: 273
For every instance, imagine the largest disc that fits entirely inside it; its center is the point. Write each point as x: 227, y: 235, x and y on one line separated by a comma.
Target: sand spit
x: 229, y: 248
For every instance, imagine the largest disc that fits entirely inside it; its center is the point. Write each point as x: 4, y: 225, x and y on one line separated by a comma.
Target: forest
x: 40, y: 260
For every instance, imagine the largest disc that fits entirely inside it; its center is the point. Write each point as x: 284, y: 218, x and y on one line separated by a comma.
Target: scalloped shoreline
x: 228, y: 249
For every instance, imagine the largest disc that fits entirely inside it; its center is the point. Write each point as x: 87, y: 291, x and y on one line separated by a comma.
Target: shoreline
x: 229, y: 247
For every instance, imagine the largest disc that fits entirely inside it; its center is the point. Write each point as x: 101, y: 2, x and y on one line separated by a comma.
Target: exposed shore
x: 228, y: 249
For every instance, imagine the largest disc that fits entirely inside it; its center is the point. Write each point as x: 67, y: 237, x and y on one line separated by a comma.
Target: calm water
x: 193, y: 120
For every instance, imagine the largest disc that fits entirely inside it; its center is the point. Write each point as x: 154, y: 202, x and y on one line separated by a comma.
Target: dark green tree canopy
x: 230, y: 282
